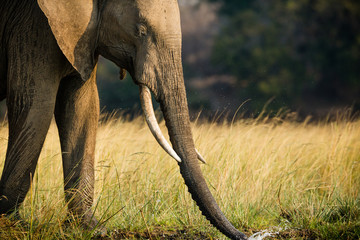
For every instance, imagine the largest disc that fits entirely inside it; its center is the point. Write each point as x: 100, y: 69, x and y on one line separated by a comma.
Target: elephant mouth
x: 146, y: 104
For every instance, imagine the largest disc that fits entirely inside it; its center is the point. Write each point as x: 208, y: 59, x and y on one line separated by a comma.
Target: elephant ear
x: 73, y: 23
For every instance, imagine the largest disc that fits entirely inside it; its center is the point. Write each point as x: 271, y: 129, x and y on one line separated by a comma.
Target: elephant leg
x: 77, y: 114
x: 2, y: 78
x: 31, y: 106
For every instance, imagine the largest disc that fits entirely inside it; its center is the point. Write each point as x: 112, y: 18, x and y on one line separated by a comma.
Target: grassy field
x: 291, y: 180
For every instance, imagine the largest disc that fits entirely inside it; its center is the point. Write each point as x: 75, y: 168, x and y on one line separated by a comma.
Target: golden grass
x: 262, y: 173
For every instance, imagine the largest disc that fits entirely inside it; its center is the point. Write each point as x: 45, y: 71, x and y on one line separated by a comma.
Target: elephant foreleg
x: 77, y: 114
x: 30, y: 109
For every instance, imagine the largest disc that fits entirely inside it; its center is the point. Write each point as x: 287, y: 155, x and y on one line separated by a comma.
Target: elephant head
x: 143, y: 37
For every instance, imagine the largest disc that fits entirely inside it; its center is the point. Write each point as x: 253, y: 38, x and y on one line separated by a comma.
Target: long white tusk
x: 200, y: 157
x: 146, y: 104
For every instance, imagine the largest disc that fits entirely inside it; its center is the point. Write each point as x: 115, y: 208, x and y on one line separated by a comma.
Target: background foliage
x: 303, y: 55
x: 302, y: 52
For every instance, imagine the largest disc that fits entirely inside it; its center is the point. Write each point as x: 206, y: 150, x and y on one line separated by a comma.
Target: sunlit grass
x: 301, y: 177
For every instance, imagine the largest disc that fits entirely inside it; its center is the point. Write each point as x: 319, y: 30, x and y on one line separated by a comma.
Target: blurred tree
x: 231, y: 7
x: 115, y: 94
x: 294, y: 50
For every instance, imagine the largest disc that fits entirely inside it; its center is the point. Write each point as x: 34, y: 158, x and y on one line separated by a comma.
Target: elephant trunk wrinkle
x: 154, y: 127
x: 177, y: 121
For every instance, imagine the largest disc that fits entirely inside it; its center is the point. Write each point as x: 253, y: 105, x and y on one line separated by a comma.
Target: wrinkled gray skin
x: 48, y: 56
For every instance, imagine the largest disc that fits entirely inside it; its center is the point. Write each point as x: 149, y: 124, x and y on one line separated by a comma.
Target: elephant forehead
x: 164, y: 15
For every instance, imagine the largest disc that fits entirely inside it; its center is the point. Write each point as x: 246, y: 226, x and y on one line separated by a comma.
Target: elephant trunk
x: 177, y: 121
x: 174, y: 107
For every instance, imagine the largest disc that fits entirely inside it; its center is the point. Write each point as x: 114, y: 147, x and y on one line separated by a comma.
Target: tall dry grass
x: 303, y: 178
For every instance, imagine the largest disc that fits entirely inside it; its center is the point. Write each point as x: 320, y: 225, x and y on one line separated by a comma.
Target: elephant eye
x: 141, y: 30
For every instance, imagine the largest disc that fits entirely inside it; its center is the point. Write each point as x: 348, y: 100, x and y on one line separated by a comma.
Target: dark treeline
x: 303, y: 53
x: 299, y: 55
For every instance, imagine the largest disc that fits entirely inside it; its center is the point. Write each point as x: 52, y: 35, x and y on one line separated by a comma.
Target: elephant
x: 48, y: 59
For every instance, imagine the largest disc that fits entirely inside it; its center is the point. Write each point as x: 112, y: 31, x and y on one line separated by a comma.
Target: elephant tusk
x: 146, y: 104
x: 200, y: 157
x: 122, y: 74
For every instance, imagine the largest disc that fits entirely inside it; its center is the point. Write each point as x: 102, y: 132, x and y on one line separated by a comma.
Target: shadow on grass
x: 159, y: 233
x: 162, y: 234
x: 18, y: 230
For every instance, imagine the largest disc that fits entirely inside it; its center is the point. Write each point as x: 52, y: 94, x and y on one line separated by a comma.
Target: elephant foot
x: 92, y: 224
x: 89, y: 223
x: 12, y: 214
x: 13, y: 220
